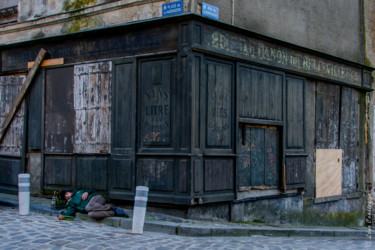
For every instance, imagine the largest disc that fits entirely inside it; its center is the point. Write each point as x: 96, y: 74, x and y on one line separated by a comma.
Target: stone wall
x: 319, y: 25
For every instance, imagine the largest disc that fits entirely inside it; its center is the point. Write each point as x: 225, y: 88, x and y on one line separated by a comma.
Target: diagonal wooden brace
x: 22, y: 92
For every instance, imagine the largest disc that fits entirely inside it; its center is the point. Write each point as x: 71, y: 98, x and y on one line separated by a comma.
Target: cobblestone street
x: 43, y: 231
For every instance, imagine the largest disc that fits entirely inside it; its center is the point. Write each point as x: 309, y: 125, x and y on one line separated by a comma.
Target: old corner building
x: 262, y: 115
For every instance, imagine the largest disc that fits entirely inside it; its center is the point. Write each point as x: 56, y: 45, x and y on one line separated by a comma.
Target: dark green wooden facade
x: 200, y: 110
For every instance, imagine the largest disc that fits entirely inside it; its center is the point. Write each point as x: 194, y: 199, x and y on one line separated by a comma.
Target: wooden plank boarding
x: 48, y: 62
x: 328, y: 172
x: 22, y: 92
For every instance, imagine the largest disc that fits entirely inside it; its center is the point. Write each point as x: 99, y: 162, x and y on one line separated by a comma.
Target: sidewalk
x: 156, y: 222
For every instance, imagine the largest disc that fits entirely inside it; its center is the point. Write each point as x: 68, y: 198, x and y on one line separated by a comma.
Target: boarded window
x: 259, y: 159
x: 328, y: 172
x: 327, y: 112
x: 92, y: 103
x: 260, y: 94
x: 59, y: 111
x: 12, y: 141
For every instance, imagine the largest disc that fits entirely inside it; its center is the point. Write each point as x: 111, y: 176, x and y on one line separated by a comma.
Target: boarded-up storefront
x: 199, y: 111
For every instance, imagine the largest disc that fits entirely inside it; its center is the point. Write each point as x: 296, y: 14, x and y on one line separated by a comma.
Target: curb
x: 34, y: 207
x: 187, y: 229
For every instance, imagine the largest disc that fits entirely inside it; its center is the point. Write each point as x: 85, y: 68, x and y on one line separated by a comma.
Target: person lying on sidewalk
x: 87, y: 201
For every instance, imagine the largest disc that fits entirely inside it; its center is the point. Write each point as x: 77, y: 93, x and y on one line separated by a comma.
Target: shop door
x: 259, y: 157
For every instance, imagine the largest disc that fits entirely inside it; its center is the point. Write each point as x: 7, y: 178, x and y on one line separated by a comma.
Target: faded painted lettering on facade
x: 219, y: 106
x: 156, y: 115
x: 92, y: 102
x: 271, y: 54
x: 9, y: 88
x: 156, y: 97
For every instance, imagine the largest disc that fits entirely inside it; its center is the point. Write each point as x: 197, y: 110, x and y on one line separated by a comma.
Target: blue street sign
x: 173, y: 8
x: 210, y: 11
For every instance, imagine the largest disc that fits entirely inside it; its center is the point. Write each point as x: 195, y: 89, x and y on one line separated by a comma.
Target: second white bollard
x: 24, y: 194
x: 139, y: 212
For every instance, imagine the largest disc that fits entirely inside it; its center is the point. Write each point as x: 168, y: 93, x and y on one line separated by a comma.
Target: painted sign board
x: 173, y: 8
x: 210, y: 11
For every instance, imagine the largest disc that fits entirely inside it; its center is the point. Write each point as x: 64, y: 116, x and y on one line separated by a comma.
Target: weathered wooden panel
x: 218, y: 175
x: 198, y: 176
x: 123, y: 118
x: 156, y: 98
x: 196, y: 116
x: 183, y: 101
x: 349, y: 138
x: 295, y: 113
x: 219, y: 105
x: 9, y: 88
x: 59, y: 111
x: 260, y: 94
x: 58, y: 170
x: 259, y: 156
x: 327, y: 115
x: 243, y: 159
x: 182, y: 176
x: 271, y: 157
x: 121, y: 173
x: 257, y: 151
x: 328, y: 172
x: 9, y: 170
x: 157, y: 174
x: 92, y: 103
x: 35, y: 98
x: 295, y: 171
x: 92, y: 172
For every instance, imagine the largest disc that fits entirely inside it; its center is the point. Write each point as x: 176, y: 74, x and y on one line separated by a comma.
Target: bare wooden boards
x: 328, y: 177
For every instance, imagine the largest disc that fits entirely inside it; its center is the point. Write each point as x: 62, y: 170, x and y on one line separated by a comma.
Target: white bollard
x: 139, y: 212
x: 24, y: 194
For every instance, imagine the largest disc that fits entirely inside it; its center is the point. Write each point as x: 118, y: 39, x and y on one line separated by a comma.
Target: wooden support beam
x: 48, y: 62
x: 22, y: 92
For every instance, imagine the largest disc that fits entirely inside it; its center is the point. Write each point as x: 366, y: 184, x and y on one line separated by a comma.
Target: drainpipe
x: 232, y: 12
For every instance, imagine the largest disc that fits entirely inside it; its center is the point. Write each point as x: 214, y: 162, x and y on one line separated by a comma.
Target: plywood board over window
x: 328, y: 172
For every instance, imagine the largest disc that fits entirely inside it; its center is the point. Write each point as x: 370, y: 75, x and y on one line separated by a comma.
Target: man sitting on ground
x: 88, y: 201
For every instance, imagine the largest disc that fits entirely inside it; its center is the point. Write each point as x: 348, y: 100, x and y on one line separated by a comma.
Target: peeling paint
x: 92, y: 104
x: 9, y: 88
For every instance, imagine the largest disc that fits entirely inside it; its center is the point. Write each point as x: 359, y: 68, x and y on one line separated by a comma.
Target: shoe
x: 120, y: 212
